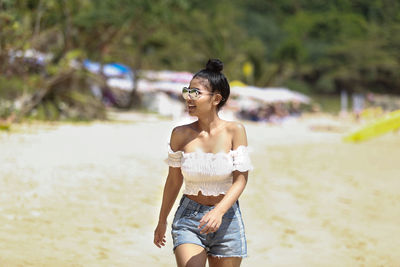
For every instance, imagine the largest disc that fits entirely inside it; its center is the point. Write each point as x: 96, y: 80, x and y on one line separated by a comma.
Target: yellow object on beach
x: 388, y: 123
x: 237, y: 83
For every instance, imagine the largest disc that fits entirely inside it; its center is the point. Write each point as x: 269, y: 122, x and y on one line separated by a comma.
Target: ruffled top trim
x: 240, y: 156
x: 210, y: 173
x: 174, y: 158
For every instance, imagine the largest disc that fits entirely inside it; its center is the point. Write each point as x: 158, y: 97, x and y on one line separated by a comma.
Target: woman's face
x: 204, y: 104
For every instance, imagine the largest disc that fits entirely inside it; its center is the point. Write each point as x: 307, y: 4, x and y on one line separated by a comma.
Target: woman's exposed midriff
x: 206, y: 200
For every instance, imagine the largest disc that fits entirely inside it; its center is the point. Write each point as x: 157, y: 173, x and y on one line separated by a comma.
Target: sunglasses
x: 192, y: 93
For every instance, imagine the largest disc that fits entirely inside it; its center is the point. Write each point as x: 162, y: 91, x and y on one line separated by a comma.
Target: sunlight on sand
x: 89, y: 195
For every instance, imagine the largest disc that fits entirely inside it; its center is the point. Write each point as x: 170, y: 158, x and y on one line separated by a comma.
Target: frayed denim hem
x: 227, y: 256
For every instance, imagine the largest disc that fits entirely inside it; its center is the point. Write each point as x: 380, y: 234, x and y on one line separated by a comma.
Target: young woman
x: 210, y: 155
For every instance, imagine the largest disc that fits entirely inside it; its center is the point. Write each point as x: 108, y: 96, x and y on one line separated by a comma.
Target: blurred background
x: 58, y: 58
x: 91, y: 89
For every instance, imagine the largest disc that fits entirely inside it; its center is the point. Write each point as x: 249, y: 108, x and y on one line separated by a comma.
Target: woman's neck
x: 209, y: 123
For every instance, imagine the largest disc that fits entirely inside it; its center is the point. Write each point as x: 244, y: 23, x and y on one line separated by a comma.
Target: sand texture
x: 89, y: 195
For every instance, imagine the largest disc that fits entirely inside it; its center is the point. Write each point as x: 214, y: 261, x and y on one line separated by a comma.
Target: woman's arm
x: 171, y: 190
x: 213, y: 219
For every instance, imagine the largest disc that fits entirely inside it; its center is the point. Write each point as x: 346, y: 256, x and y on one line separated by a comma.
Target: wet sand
x: 89, y: 195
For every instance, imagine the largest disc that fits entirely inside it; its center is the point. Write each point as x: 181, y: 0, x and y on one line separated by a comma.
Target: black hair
x: 216, y: 79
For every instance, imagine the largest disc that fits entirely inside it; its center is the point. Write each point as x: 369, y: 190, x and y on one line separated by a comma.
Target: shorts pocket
x: 177, y: 216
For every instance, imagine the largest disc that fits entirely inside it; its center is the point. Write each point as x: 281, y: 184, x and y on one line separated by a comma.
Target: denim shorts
x: 228, y: 241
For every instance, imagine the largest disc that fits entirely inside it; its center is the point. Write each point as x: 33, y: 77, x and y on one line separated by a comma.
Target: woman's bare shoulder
x: 238, y: 133
x: 235, y: 127
x: 179, y: 135
x: 182, y: 129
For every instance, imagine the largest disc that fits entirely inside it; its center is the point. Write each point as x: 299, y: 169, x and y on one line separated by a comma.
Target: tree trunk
x: 37, y: 97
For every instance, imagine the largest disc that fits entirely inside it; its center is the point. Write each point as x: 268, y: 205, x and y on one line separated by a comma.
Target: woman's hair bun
x: 214, y: 65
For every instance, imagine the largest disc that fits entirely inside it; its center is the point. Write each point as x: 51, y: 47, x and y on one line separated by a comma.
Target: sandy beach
x: 88, y: 194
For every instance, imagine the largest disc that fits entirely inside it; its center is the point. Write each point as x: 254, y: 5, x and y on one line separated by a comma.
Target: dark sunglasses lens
x: 185, y: 92
x: 194, y: 94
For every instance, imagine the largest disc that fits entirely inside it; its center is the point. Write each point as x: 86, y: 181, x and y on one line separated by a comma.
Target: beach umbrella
x: 109, y: 70
x: 167, y: 76
x: 165, y: 86
x: 116, y: 69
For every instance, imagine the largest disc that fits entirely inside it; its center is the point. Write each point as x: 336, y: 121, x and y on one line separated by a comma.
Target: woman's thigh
x: 224, y: 262
x: 190, y: 255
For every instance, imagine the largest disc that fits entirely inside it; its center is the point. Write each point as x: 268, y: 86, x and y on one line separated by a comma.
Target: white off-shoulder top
x: 208, y: 172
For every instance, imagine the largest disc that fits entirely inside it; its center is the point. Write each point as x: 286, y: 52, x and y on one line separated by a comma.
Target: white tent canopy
x: 149, y: 86
x: 265, y: 95
x: 269, y: 94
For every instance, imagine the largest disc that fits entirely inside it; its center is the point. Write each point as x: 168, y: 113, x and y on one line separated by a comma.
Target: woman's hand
x: 211, y: 221
x: 159, y: 234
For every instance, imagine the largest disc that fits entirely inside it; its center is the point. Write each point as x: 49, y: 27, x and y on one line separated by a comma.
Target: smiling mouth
x: 191, y: 107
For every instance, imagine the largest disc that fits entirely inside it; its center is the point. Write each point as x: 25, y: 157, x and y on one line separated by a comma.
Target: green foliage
x: 298, y: 86
x: 313, y: 46
x: 327, y: 102
x: 6, y: 108
x: 340, y: 44
x: 14, y: 87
